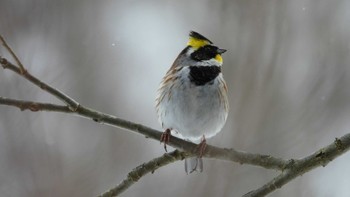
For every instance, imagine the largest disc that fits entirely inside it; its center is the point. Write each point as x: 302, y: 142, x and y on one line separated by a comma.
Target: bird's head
x: 201, y: 49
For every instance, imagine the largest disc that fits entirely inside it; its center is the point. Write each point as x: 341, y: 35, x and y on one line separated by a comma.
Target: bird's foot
x: 201, y: 147
x: 165, y: 138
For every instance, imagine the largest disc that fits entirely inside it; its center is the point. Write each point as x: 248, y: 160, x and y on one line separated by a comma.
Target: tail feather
x: 193, y: 164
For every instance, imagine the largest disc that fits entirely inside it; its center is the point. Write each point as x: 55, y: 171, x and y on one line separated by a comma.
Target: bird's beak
x: 221, y: 51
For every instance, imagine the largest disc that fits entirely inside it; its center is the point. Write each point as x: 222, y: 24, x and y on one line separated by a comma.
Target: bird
x: 192, y: 97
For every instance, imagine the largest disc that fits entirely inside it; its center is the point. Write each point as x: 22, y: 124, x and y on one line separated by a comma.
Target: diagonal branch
x: 304, y: 165
x: 265, y: 161
x: 34, y: 106
x: 290, y: 169
x: 294, y: 169
x: 8, y: 48
x: 72, y: 104
x: 144, y: 169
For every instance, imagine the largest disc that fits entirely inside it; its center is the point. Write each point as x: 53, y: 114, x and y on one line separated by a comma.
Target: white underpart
x: 192, y: 110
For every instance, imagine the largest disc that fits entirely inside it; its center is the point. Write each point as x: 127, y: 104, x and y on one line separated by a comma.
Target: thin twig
x: 8, y: 48
x: 34, y: 106
x: 144, y: 169
x: 304, y: 165
x: 72, y: 104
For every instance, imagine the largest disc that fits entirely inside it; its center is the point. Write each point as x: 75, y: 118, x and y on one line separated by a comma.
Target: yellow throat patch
x: 197, y: 43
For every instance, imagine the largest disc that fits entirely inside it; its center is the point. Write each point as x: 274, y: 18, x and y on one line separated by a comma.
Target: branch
x: 293, y: 169
x: 34, y: 106
x: 304, y: 165
x: 144, y: 169
x: 8, y: 48
x: 72, y: 104
x: 290, y: 169
x: 241, y: 157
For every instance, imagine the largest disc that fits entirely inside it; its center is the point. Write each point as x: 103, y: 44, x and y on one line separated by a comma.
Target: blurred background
x: 287, y: 69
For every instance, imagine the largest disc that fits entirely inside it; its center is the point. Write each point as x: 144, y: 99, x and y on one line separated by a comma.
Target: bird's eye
x: 205, y: 53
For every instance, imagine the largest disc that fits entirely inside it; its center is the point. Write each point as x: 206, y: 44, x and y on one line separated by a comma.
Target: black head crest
x: 196, y: 35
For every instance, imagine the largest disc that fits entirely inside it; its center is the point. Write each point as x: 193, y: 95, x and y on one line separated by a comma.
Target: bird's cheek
x: 218, y: 58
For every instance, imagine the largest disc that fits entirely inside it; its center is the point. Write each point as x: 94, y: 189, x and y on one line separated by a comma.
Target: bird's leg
x: 201, y: 147
x: 165, y: 138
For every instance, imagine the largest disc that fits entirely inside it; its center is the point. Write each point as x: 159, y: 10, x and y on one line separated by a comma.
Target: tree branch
x: 301, y: 166
x: 72, y: 104
x: 265, y: 161
x: 290, y: 169
x: 8, y: 48
x: 293, y: 169
x: 34, y: 106
x: 144, y: 169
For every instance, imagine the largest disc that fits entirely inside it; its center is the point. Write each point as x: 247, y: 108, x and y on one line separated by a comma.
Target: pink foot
x: 201, y: 147
x: 165, y: 138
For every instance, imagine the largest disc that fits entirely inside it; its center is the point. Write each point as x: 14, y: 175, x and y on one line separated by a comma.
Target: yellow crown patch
x: 197, y: 43
x: 197, y: 40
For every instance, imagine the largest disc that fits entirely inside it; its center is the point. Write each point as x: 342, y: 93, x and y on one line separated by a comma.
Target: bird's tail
x: 193, y: 164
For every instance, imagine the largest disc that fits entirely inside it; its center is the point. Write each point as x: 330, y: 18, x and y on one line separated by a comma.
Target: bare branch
x: 34, y: 106
x: 144, y: 169
x: 72, y: 104
x: 304, y: 165
x: 293, y: 169
x: 265, y: 161
x: 290, y: 169
x: 8, y: 48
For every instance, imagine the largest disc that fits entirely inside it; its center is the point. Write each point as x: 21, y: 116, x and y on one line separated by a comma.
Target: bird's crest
x: 196, y: 40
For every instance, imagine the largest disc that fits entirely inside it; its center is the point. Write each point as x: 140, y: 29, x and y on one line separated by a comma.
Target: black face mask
x: 206, y: 53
